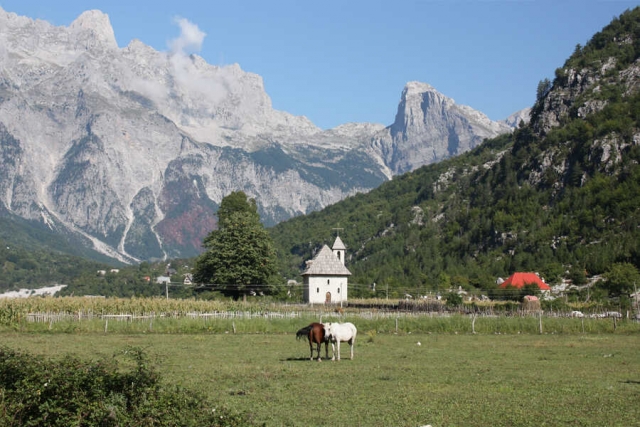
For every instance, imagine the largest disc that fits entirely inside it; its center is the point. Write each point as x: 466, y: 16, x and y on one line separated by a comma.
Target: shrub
x: 453, y: 299
x: 371, y: 335
x: 557, y: 304
x: 37, y: 391
x: 506, y: 307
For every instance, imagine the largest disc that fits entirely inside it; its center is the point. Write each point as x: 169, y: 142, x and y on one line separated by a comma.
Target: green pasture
x: 450, y: 379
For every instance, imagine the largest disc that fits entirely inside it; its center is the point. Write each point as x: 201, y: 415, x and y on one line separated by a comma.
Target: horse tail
x: 303, y: 332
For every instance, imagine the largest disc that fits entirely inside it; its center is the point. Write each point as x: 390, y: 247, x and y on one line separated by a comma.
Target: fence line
x: 44, y: 317
x: 52, y: 317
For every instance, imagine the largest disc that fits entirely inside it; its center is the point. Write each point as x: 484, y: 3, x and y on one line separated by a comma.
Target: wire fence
x: 78, y: 316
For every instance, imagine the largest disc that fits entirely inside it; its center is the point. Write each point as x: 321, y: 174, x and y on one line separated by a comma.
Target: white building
x: 326, y: 277
x: 163, y: 279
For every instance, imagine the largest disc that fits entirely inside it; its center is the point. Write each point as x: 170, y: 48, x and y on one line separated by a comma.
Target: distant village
x: 326, y: 281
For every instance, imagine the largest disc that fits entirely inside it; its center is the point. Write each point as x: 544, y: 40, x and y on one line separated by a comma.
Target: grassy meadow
x: 450, y: 379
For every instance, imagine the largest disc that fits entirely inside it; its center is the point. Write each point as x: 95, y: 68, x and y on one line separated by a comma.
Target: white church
x: 326, y: 277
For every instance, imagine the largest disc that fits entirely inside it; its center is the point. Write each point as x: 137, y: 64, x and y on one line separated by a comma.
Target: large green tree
x: 237, y: 202
x: 621, y: 279
x: 240, y: 258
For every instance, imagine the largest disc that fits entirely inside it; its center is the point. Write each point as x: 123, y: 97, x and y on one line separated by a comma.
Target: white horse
x: 340, y: 332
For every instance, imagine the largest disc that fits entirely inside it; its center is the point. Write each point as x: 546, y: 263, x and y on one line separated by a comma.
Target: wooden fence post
x: 540, y: 319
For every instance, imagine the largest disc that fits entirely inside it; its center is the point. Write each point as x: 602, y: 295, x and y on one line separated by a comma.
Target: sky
x: 345, y: 61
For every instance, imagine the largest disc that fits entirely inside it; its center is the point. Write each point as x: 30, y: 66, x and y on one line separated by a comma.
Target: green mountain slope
x: 561, y: 196
x: 34, y: 257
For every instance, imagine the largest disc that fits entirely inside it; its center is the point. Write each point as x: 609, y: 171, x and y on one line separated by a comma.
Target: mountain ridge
x: 132, y: 149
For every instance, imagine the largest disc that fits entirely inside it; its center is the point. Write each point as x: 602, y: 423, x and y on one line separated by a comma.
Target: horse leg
x: 338, y: 345
x: 333, y: 350
x: 326, y: 350
x: 352, y: 342
x: 319, y: 345
x: 311, y: 349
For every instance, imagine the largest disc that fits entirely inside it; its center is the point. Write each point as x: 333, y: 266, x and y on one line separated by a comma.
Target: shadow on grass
x: 301, y: 359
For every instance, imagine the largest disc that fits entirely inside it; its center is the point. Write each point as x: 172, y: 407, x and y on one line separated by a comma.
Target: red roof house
x: 518, y: 280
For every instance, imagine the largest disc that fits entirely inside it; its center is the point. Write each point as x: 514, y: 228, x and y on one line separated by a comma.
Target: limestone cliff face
x: 132, y: 149
x: 430, y: 127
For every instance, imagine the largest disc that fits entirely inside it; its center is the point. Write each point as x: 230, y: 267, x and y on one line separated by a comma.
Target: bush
x: 37, y: 391
x: 453, y: 299
x: 557, y: 304
x: 507, y: 307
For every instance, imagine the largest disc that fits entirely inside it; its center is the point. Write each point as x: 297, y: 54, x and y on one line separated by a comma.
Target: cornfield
x: 18, y: 309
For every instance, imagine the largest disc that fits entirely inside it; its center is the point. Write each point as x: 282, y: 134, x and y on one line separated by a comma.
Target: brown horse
x: 316, y: 335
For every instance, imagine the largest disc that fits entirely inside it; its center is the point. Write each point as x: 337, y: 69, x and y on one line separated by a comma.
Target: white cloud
x: 153, y: 90
x: 202, y: 89
x: 190, y: 39
x: 194, y: 81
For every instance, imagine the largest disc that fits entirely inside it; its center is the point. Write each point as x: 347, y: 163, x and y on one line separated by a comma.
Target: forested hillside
x: 36, y: 268
x: 560, y: 196
x: 22, y: 268
x: 31, y: 258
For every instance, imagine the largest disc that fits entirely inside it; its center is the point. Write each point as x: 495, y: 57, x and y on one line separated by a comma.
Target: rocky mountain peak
x: 423, y: 91
x: 516, y: 118
x: 429, y: 127
x: 10, y: 18
x: 415, y: 87
x: 96, y: 24
x: 416, y: 101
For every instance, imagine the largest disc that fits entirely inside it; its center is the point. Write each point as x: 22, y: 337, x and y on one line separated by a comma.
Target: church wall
x: 316, y: 288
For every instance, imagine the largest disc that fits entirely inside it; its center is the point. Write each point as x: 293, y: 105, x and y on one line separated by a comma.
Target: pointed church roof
x: 326, y: 263
x: 338, y: 245
x: 518, y: 280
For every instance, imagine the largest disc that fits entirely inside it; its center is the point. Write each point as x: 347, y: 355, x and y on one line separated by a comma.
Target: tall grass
x: 22, y: 306
x: 400, y: 324
x: 159, y: 315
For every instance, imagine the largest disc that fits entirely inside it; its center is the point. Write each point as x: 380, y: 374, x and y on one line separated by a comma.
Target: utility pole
x: 337, y: 230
